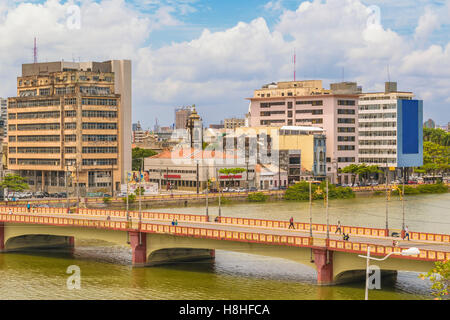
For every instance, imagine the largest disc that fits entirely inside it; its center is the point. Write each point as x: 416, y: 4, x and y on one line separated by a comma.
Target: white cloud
x: 218, y: 70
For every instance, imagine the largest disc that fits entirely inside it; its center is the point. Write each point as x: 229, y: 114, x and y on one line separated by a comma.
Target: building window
x: 346, y: 102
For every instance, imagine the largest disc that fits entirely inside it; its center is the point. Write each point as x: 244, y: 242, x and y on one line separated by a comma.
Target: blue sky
x: 215, y: 53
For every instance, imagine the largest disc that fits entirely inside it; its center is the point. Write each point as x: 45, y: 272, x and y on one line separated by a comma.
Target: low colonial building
x: 189, y: 169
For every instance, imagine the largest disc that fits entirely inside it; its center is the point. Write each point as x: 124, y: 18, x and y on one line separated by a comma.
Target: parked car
x: 253, y: 189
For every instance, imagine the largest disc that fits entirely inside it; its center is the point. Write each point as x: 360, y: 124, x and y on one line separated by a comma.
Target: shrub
x: 131, y: 198
x: 432, y: 188
x: 106, y: 200
x: 300, y: 191
x: 257, y: 197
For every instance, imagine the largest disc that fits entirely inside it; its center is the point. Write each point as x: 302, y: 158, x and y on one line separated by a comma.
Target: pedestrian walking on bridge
x: 338, y: 228
x: 291, y: 223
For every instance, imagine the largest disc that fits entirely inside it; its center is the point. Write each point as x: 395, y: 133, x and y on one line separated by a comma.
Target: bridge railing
x: 352, y: 230
x: 209, y: 233
x: 380, y: 250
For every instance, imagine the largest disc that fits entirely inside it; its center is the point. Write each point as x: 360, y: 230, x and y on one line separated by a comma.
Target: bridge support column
x: 138, y: 241
x: 71, y: 244
x: 2, y: 236
x: 324, y: 269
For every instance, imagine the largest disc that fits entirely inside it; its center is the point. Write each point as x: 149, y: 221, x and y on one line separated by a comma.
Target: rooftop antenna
x: 35, y: 51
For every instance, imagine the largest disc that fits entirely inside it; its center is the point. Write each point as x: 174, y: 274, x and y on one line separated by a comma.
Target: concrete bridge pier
x: 324, y: 262
x: 138, y: 242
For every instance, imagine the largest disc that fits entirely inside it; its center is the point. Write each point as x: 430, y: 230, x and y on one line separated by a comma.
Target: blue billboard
x: 409, y: 133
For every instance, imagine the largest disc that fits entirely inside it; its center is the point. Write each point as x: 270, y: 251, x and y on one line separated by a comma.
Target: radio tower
x: 35, y: 51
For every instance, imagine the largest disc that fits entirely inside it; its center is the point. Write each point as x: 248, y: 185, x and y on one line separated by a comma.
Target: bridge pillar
x: 71, y: 244
x: 2, y: 236
x: 138, y: 242
x: 324, y: 269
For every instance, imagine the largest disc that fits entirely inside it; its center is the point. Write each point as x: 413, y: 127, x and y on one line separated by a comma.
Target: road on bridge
x: 385, y: 241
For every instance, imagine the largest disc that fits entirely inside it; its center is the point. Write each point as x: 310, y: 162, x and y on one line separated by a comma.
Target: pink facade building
x: 296, y: 104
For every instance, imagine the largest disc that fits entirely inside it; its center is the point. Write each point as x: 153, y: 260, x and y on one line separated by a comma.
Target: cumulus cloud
x: 218, y: 70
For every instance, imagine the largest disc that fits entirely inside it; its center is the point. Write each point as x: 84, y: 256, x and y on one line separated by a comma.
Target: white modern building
x: 390, y: 128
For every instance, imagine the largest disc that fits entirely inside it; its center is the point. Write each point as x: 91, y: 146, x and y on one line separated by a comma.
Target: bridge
x: 154, y: 240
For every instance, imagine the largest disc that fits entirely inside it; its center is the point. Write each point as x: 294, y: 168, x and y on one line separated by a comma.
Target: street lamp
x: 408, y: 252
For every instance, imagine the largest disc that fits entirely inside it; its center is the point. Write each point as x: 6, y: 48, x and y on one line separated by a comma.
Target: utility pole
x: 207, y: 190
x: 197, y: 179
x: 220, y: 190
x: 78, y: 188
x: 326, y: 210
x: 387, y: 199
x: 67, y: 185
x: 112, y: 179
x: 403, y: 203
x: 128, y: 214
x: 310, y: 211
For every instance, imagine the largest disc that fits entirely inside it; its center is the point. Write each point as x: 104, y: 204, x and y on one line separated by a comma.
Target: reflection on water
x: 106, y: 272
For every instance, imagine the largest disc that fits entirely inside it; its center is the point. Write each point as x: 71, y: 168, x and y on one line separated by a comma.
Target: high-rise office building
x: 71, y: 117
x: 181, y: 116
x: 390, y: 128
x: 307, y: 103
x: 3, y: 118
x: 233, y: 123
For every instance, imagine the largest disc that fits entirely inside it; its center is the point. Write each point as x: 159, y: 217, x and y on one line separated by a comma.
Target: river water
x: 106, y: 272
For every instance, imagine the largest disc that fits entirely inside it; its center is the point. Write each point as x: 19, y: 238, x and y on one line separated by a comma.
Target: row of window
x: 99, y: 102
x: 346, y: 159
x: 35, y: 162
x: 346, y: 138
x: 346, y: 129
x: 346, y: 120
x: 34, y: 115
x: 346, y: 111
x: 377, y: 151
x: 377, y: 133
x: 386, y: 124
x: 378, y: 106
x: 386, y: 115
x: 378, y: 142
x: 346, y: 102
x: 99, y: 162
x: 34, y: 103
x: 346, y: 148
x: 99, y: 149
x: 378, y: 160
x: 95, y: 90
x: 34, y: 150
x: 93, y: 138
x: 312, y: 111
x: 313, y: 121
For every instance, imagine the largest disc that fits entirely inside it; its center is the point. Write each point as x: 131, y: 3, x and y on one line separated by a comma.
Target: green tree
x: 352, y: 169
x: 131, y: 198
x: 139, y: 191
x: 436, y: 158
x: 440, y: 279
x: 138, y: 154
x: 14, y: 183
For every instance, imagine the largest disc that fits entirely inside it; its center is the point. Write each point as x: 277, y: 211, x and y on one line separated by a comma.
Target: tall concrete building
x: 307, y: 103
x: 390, y: 128
x: 3, y: 119
x: 72, y: 117
x: 181, y: 116
x: 233, y: 123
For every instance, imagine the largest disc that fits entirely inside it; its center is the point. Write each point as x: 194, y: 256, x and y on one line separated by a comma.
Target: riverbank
x: 273, y: 197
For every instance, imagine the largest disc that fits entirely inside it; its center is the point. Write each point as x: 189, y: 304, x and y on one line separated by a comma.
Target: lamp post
x: 326, y: 211
x: 207, y: 189
x: 310, y: 211
x: 408, y: 252
x: 403, y: 204
x: 67, y: 185
x: 387, y: 199
x: 220, y: 192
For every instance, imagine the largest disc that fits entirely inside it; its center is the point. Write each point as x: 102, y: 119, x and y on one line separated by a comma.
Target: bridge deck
x: 384, y: 241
